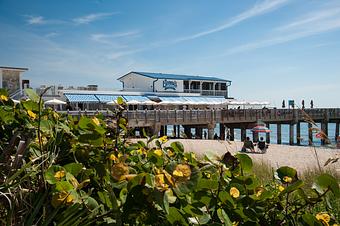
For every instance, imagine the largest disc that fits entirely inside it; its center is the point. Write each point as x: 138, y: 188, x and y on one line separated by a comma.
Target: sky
x: 271, y: 50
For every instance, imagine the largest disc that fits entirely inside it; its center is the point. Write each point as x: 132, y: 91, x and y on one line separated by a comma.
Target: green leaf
x: 64, y: 186
x: 225, y: 197
x: 50, y: 173
x: 177, y: 146
x: 310, y: 220
x: 120, y: 100
x: 207, y: 184
x: 74, y: 168
x: 105, y: 198
x: 286, y: 171
x: 325, y: 182
x: 32, y: 95
x: 224, y: 217
x: 175, y: 217
x: 30, y: 105
x: 246, y: 162
x: 91, y: 203
x: 294, y: 186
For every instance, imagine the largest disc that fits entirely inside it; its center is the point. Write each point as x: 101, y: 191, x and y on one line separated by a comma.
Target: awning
x: 138, y: 100
x: 173, y: 100
x: 104, y: 98
x: 205, y: 100
x: 87, y: 98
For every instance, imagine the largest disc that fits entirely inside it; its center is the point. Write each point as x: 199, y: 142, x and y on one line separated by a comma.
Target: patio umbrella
x: 260, y: 129
x: 55, y: 102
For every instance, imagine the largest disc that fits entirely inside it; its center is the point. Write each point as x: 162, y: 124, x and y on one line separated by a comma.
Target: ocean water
x: 273, y: 134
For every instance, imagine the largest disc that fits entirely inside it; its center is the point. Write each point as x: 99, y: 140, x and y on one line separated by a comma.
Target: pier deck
x: 158, y: 120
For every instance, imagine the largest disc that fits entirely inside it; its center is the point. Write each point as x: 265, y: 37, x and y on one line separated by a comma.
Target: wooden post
x: 279, y: 139
x: 298, y: 133
x: 243, y: 134
x: 178, y: 131
x: 337, y: 130
x: 232, y: 133
x: 324, y: 128
x: 165, y: 130
x: 255, y: 137
x: 211, y: 128
x: 268, y: 134
x: 198, y: 132
x: 222, y: 131
x: 291, y: 134
x: 161, y: 132
x: 174, y: 131
x: 187, y: 131
x: 310, y: 134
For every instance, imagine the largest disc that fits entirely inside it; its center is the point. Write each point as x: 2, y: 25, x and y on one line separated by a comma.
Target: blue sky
x: 270, y: 49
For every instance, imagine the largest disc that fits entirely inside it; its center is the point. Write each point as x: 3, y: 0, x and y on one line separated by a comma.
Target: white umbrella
x: 55, y: 102
x: 113, y: 102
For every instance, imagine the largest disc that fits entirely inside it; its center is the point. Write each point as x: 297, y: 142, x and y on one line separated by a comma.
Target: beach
x: 301, y: 158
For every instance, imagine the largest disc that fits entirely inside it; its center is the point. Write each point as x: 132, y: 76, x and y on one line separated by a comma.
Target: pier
x: 157, y: 121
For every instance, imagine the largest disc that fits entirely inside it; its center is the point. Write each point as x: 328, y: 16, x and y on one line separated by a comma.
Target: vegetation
x: 62, y: 170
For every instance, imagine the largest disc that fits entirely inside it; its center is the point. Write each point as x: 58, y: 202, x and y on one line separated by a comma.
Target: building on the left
x: 11, y: 80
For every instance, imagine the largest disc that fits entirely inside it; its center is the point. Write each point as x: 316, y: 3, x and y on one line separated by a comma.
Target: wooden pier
x: 157, y: 121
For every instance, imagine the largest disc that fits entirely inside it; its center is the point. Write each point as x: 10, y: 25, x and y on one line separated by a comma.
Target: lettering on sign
x: 169, y: 85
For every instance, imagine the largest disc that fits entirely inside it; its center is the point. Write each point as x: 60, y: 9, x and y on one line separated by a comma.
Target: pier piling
x: 298, y: 133
x: 279, y: 138
x: 337, y: 129
x: 291, y: 134
x: 310, y: 134
x: 268, y: 134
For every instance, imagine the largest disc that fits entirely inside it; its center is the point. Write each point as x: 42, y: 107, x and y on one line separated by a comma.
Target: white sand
x: 299, y: 157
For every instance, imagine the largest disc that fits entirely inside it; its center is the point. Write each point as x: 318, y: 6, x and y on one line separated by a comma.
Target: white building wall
x: 138, y: 83
x: 169, y: 85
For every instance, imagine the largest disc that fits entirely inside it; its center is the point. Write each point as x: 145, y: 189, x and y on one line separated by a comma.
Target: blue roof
x: 178, y: 77
x: 81, y: 97
x: 104, y: 98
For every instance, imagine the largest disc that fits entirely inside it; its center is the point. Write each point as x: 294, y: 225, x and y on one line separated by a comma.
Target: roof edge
x: 14, y: 68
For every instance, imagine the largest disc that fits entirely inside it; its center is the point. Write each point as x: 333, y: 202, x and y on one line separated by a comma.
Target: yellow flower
x: 62, y: 198
x: 141, y: 151
x: 3, y: 97
x: 119, y: 170
x: 323, y: 217
x: 234, y: 192
x: 96, y: 121
x: 287, y: 179
x: 158, y: 152
x: 32, y: 114
x: 281, y: 188
x: 177, y: 173
x: 163, y: 139
x: 259, y: 191
x: 59, y: 174
x: 113, y: 157
x: 160, y: 182
x: 170, y: 153
x: 182, y: 170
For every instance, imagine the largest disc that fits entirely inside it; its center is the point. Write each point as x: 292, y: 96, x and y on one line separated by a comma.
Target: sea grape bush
x: 63, y: 170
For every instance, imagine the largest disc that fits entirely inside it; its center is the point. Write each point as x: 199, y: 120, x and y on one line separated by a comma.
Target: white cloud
x: 32, y: 20
x: 92, y: 17
x: 257, y: 10
x: 315, y: 23
x: 51, y: 35
x: 106, y: 38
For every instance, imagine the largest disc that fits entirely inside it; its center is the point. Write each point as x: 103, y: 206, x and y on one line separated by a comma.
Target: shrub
x: 63, y: 170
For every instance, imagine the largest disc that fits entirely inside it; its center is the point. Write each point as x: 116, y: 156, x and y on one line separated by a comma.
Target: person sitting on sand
x: 248, y: 144
x: 261, y: 144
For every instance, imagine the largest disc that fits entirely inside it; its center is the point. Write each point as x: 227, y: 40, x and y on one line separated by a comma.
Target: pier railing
x: 228, y: 116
